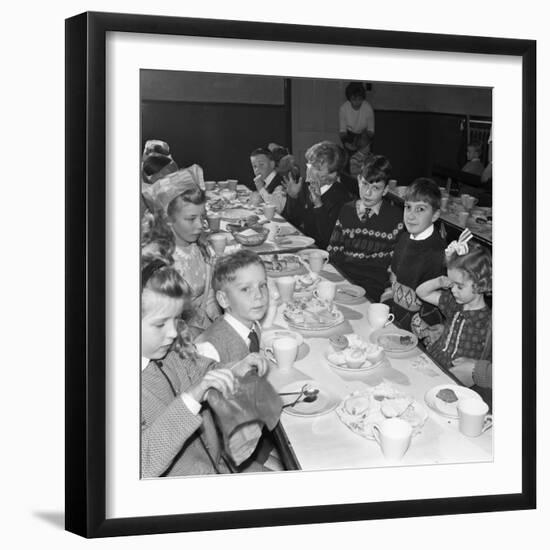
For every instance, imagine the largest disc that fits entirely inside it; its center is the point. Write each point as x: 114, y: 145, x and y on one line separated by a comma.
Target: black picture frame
x: 86, y: 281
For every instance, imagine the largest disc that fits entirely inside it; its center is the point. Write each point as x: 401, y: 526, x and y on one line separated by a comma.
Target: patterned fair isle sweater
x: 413, y: 263
x: 363, y: 249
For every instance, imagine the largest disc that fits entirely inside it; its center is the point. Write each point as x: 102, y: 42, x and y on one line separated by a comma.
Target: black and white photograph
x: 316, y: 274
x: 286, y: 269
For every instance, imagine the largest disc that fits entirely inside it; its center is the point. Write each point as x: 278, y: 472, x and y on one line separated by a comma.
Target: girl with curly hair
x: 460, y: 296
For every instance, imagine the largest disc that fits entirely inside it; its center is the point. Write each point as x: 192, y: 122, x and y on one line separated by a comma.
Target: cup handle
x: 270, y: 355
x: 488, y: 423
x: 391, y: 317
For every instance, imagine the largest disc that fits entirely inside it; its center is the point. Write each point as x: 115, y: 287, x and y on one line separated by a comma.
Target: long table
x: 325, y: 442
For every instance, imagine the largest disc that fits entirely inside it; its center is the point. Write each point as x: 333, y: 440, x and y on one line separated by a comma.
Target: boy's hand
x: 293, y: 187
x: 259, y: 182
x: 315, y: 194
x: 433, y: 333
x: 387, y: 294
x: 463, y: 368
x: 219, y: 379
x: 252, y: 361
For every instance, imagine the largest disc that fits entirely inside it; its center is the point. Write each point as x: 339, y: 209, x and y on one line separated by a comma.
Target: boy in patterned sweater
x: 418, y: 257
x: 367, y: 230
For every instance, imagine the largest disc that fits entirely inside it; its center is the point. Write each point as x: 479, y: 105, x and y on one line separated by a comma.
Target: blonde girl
x: 179, y: 209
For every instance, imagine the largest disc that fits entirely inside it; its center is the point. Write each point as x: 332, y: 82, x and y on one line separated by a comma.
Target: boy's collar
x: 242, y: 330
x: 424, y: 234
x: 270, y: 177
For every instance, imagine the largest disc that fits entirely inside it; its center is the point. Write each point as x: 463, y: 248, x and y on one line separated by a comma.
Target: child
x: 268, y: 181
x: 473, y: 154
x: 315, y: 205
x: 466, y: 338
x: 367, y: 230
x: 179, y: 204
x: 176, y: 437
x: 418, y: 257
x: 362, y: 155
x: 240, y: 283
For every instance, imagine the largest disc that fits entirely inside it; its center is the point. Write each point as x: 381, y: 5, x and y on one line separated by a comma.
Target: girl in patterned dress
x: 460, y: 296
x: 179, y: 208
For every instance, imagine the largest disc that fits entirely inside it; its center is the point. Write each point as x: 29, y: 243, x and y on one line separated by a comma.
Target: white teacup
x: 379, y: 315
x: 283, y: 351
x: 468, y: 201
x: 463, y: 218
x: 269, y: 211
x: 219, y: 242
x: 316, y: 260
x: 285, y: 286
x: 473, y: 419
x: 326, y: 290
x: 394, y: 437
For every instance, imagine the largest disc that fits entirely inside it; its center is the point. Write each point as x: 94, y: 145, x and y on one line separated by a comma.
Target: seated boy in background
x: 269, y: 183
x: 474, y: 164
x: 367, y: 231
x: 363, y: 154
x: 418, y: 257
x: 313, y: 206
x: 240, y: 283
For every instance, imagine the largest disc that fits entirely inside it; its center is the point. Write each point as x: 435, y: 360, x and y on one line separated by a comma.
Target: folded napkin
x: 241, y: 416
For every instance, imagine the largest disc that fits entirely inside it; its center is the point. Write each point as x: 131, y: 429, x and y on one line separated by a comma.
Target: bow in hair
x: 460, y: 246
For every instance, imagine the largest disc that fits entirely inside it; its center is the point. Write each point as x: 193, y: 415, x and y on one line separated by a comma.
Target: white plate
x: 235, y: 214
x: 366, y: 366
x: 269, y: 335
x: 326, y: 400
x: 295, y: 241
x: 361, y: 424
x: 443, y: 408
x: 377, y: 337
x: 313, y: 326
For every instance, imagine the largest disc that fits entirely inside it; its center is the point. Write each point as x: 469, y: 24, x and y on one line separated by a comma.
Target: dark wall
x: 413, y: 142
x: 218, y: 136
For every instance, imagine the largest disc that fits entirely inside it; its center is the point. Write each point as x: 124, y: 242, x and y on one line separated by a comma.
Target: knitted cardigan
x: 363, y: 249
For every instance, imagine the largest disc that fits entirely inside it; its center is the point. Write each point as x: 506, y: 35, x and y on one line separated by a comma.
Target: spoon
x: 307, y: 399
x: 306, y: 390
